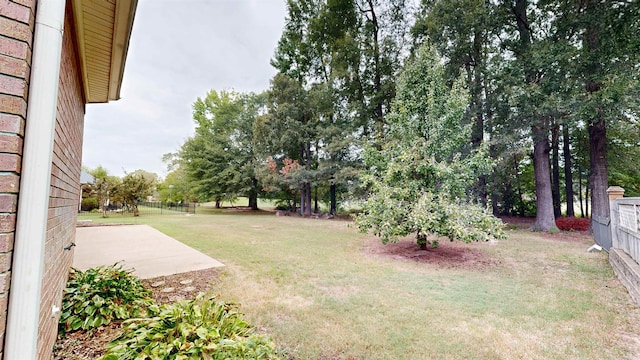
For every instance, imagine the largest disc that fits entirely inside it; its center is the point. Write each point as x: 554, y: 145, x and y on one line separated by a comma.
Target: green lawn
x: 314, y: 288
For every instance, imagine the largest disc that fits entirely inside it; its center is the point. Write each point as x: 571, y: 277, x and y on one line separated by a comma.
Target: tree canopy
x: 432, y: 115
x: 219, y: 160
x: 127, y: 191
x: 419, y: 180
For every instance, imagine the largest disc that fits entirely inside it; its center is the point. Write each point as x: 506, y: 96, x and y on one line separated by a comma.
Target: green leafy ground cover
x: 97, y: 296
x: 323, y: 291
x: 200, y: 328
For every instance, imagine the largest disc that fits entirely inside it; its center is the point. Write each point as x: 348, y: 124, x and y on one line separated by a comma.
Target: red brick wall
x: 65, y: 188
x: 16, y: 37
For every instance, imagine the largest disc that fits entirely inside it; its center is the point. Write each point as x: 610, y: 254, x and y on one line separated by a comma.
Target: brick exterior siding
x: 65, y: 189
x: 16, y: 37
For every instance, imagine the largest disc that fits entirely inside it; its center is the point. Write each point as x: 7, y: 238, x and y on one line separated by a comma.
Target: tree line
x: 429, y: 108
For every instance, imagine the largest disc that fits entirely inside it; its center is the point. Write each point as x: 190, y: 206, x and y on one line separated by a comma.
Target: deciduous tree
x: 103, y: 187
x: 419, y: 181
x: 135, y: 187
x: 220, y: 160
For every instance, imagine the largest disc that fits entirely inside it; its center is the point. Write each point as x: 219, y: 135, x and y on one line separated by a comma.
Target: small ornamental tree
x: 135, y: 187
x: 419, y: 181
x: 282, y: 181
x: 103, y: 187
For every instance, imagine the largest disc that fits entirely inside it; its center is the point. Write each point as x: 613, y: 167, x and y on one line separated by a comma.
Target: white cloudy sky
x: 179, y: 50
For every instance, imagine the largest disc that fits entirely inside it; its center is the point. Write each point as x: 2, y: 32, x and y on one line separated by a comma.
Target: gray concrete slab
x: 142, y: 248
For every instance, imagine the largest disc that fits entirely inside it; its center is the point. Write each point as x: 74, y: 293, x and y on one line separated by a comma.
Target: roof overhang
x: 103, y: 30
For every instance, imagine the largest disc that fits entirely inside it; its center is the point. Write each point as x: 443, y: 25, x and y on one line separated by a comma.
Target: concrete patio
x: 142, y: 248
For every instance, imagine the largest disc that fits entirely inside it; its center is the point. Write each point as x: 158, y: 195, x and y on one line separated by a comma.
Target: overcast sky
x: 179, y: 50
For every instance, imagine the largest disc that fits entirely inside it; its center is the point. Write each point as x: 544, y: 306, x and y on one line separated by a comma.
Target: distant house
x: 154, y: 197
x: 86, y: 180
x: 55, y: 57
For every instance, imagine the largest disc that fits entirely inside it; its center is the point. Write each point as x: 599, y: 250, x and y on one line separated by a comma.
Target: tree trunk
x: 519, y: 188
x: 422, y: 242
x: 545, y: 220
x: 507, y: 200
x: 477, y: 133
x: 315, y: 201
x: 495, y: 210
x: 378, y: 115
x: 568, y: 176
x: 303, y: 188
x: 599, y: 171
x: 217, y: 203
x: 586, y: 198
x: 308, y: 183
x: 303, y: 198
x: 580, y: 191
x: 332, y: 195
x: 253, y: 195
x: 308, y: 199
x: 295, y: 204
x: 555, y: 173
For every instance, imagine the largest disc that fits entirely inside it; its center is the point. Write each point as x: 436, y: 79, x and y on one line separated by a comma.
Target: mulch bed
x: 185, y: 286
x: 457, y: 254
x: 447, y: 255
x: 85, y: 345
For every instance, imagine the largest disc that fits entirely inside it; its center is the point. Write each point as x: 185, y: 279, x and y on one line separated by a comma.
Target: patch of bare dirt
x: 448, y: 254
x: 569, y: 236
x: 518, y: 222
x: 238, y: 209
x: 89, y: 345
x: 524, y: 223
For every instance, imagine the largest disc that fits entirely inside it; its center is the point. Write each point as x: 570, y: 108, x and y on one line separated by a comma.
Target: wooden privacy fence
x: 624, y: 254
x: 625, y: 230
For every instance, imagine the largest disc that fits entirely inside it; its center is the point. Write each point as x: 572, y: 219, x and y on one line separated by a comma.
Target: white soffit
x: 103, y: 29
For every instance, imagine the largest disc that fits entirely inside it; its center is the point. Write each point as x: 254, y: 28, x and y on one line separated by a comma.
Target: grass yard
x: 242, y: 201
x: 323, y: 291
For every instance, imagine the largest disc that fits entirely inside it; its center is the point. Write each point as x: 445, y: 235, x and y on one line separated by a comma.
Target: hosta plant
x: 97, y: 296
x: 191, y: 329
